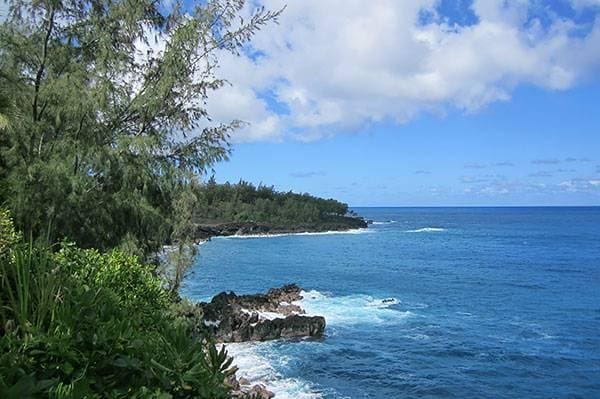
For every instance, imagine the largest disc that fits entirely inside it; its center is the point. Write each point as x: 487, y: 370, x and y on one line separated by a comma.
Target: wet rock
x: 204, y: 231
x: 261, y: 317
x: 243, y: 381
x: 258, y: 391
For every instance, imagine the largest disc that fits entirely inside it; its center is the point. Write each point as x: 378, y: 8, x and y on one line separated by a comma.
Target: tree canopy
x: 102, y: 112
x: 244, y: 202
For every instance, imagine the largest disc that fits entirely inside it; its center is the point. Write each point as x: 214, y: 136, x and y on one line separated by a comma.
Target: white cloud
x: 337, y: 65
x: 580, y: 185
x: 580, y: 4
x: 3, y: 10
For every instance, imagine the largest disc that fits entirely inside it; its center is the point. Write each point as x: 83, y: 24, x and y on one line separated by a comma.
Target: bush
x: 8, y: 235
x: 79, y: 323
x: 137, y: 289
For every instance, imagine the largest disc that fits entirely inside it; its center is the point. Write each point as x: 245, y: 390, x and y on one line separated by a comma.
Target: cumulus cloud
x: 422, y: 172
x: 339, y: 65
x: 505, y: 163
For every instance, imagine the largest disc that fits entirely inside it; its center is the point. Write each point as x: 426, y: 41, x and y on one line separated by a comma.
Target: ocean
x: 427, y: 303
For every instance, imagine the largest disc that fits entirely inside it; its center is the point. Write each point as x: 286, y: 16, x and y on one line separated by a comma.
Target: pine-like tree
x: 112, y: 120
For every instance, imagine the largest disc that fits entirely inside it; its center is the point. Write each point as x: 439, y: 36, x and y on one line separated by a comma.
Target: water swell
x: 262, y: 362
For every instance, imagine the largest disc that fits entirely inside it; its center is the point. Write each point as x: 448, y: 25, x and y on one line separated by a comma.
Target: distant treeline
x: 245, y: 202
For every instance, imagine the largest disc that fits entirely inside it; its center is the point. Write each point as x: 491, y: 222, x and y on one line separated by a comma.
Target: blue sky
x: 499, y: 156
x: 428, y: 104
x: 418, y: 103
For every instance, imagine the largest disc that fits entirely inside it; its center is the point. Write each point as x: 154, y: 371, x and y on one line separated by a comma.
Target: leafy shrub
x: 137, y: 289
x: 8, y: 235
x: 79, y: 323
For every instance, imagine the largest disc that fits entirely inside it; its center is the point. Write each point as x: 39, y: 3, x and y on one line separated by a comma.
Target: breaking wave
x: 257, y: 363
x: 383, y: 222
x: 426, y: 230
x: 352, y: 309
x: 319, y: 233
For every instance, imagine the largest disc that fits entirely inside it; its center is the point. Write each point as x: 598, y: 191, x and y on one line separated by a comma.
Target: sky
x: 3, y: 10
x: 420, y: 103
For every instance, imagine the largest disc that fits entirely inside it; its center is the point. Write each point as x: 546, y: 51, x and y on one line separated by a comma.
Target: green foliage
x: 30, y: 286
x: 5, y: 111
x: 8, y: 235
x: 243, y: 202
x: 133, y: 282
x: 102, y: 113
x: 183, y: 235
x: 103, y: 134
x: 79, y: 323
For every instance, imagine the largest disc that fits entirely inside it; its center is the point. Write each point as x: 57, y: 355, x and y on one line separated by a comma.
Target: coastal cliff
x: 203, y: 231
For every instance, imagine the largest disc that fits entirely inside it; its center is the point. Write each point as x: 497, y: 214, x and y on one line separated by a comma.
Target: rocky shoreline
x: 241, y: 318
x: 261, y: 317
x: 205, y: 231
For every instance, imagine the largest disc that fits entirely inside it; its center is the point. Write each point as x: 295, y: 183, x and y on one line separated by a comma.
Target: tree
x: 183, y: 235
x: 112, y: 119
x: 245, y: 202
x: 5, y: 109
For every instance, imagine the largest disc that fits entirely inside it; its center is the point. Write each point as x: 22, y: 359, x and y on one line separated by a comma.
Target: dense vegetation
x: 102, y: 114
x: 104, y: 144
x: 80, y: 324
x: 103, y: 137
x: 244, y: 202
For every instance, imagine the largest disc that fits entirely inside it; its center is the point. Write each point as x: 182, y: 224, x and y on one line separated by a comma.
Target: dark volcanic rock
x: 261, y: 317
x: 204, y: 231
x: 255, y: 392
x: 333, y: 223
x: 292, y: 326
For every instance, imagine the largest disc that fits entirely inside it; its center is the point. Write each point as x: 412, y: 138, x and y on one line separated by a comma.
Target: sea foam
x: 319, y: 233
x: 352, y: 309
x: 426, y: 230
x: 256, y: 363
x: 378, y: 223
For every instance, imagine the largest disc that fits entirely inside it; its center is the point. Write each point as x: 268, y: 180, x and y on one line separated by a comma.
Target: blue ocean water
x: 488, y: 303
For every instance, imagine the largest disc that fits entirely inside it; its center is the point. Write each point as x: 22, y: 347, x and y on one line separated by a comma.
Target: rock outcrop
x: 261, y: 317
x: 205, y: 231
x: 239, y: 318
x: 257, y: 391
